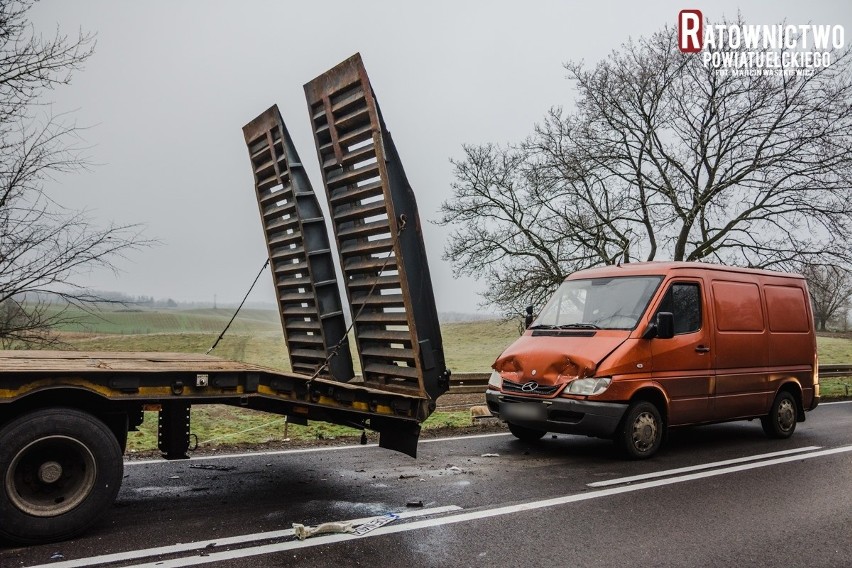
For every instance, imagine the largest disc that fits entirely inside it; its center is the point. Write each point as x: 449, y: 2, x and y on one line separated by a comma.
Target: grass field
x: 256, y: 337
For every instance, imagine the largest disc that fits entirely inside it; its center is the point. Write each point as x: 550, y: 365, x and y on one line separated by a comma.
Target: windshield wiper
x: 577, y: 326
x: 543, y: 326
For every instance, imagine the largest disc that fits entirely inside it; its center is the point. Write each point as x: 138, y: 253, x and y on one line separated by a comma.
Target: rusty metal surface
x: 299, y: 252
x: 380, y: 242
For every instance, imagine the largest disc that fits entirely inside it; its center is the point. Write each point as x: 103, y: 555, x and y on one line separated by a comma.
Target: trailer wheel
x: 61, y: 469
x: 781, y: 420
x: 525, y: 434
x: 641, y: 432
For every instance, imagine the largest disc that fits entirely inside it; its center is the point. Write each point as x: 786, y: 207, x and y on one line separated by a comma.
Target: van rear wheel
x: 525, y: 434
x: 641, y: 432
x: 781, y: 420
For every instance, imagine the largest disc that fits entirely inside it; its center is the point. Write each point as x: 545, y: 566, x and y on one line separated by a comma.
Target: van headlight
x: 495, y: 381
x: 589, y: 386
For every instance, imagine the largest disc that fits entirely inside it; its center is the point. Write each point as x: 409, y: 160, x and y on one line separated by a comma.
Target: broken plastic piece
x: 490, y: 455
x: 375, y: 523
x: 302, y: 532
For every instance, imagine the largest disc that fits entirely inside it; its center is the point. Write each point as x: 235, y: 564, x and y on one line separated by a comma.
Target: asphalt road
x: 721, y: 495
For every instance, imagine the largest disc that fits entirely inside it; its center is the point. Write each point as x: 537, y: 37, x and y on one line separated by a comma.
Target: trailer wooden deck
x: 138, y: 362
x: 157, y: 378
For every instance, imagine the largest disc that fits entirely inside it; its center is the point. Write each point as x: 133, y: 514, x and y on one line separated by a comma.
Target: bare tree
x: 830, y: 288
x: 663, y: 159
x: 43, y: 246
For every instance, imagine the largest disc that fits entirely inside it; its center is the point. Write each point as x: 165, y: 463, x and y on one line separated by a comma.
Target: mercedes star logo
x: 529, y: 387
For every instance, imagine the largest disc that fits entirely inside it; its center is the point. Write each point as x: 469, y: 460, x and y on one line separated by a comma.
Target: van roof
x: 662, y: 268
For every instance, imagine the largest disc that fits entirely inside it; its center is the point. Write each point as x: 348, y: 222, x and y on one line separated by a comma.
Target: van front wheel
x: 641, y: 433
x: 781, y: 421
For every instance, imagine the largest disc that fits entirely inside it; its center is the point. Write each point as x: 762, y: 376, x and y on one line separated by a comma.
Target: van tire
x: 641, y: 432
x: 525, y: 434
x: 781, y: 421
x: 61, y: 469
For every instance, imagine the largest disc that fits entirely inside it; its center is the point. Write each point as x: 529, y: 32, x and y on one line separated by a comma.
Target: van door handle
x: 702, y: 349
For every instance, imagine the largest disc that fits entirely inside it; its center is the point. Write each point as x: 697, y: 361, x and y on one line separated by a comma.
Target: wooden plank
x: 88, y: 362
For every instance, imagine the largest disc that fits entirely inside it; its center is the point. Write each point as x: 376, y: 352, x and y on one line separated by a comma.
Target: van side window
x: 683, y: 299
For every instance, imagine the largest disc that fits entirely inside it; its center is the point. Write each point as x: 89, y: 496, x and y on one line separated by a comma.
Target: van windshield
x: 598, y: 303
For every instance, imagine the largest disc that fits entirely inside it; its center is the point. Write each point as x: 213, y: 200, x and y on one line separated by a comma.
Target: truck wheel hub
x: 49, y: 472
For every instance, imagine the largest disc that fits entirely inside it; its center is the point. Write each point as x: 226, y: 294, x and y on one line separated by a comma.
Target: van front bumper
x: 563, y: 415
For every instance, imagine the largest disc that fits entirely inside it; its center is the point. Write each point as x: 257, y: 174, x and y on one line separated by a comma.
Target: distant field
x: 128, y: 321
x: 255, y: 336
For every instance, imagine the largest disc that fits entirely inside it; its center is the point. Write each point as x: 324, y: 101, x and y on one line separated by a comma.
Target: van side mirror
x: 661, y: 328
x: 665, y: 325
x: 528, y: 318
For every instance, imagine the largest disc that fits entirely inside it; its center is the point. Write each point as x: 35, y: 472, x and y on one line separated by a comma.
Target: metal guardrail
x: 475, y: 383
x: 835, y: 371
x: 468, y: 383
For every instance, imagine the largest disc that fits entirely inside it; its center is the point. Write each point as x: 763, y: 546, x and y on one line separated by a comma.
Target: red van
x: 625, y: 352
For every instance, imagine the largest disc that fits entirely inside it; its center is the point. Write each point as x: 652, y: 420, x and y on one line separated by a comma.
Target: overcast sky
x: 172, y: 83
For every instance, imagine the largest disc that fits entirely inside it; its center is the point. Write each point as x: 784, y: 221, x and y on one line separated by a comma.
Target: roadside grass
x: 834, y: 350
x: 221, y: 426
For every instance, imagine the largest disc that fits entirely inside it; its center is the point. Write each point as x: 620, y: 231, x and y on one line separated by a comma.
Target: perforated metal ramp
x: 301, y: 259
x: 379, y: 238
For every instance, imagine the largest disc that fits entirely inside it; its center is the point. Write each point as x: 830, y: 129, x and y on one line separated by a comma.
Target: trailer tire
x: 61, y: 469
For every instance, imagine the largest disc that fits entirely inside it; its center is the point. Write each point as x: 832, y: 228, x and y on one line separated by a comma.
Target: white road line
x: 471, y: 437
x: 304, y: 450
x: 835, y: 402
x: 699, y: 467
x: 476, y: 515
x: 229, y: 541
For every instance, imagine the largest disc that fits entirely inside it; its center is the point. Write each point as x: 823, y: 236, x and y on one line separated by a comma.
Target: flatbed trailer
x: 64, y: 416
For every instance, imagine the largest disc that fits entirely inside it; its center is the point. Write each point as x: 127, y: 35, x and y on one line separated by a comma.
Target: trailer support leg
x: 173, y: 430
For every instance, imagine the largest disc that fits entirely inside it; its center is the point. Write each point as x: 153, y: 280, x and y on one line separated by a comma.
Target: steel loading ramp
x: 377, y: 227
x: 306, y: 285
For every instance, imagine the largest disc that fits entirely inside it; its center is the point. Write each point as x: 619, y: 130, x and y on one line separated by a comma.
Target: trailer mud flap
x: 400, y: 437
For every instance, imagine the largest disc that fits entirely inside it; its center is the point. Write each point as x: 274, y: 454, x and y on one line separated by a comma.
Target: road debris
x: 213, y: 467
x: 302, y: 532
x: 490, y: 456
x: 375, y: 523
x: 415, y: 503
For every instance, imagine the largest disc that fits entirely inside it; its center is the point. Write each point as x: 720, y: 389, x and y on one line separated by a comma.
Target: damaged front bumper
x: 566, y: 416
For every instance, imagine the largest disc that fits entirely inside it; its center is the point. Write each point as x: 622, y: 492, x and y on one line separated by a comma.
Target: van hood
x: 553, y: 360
